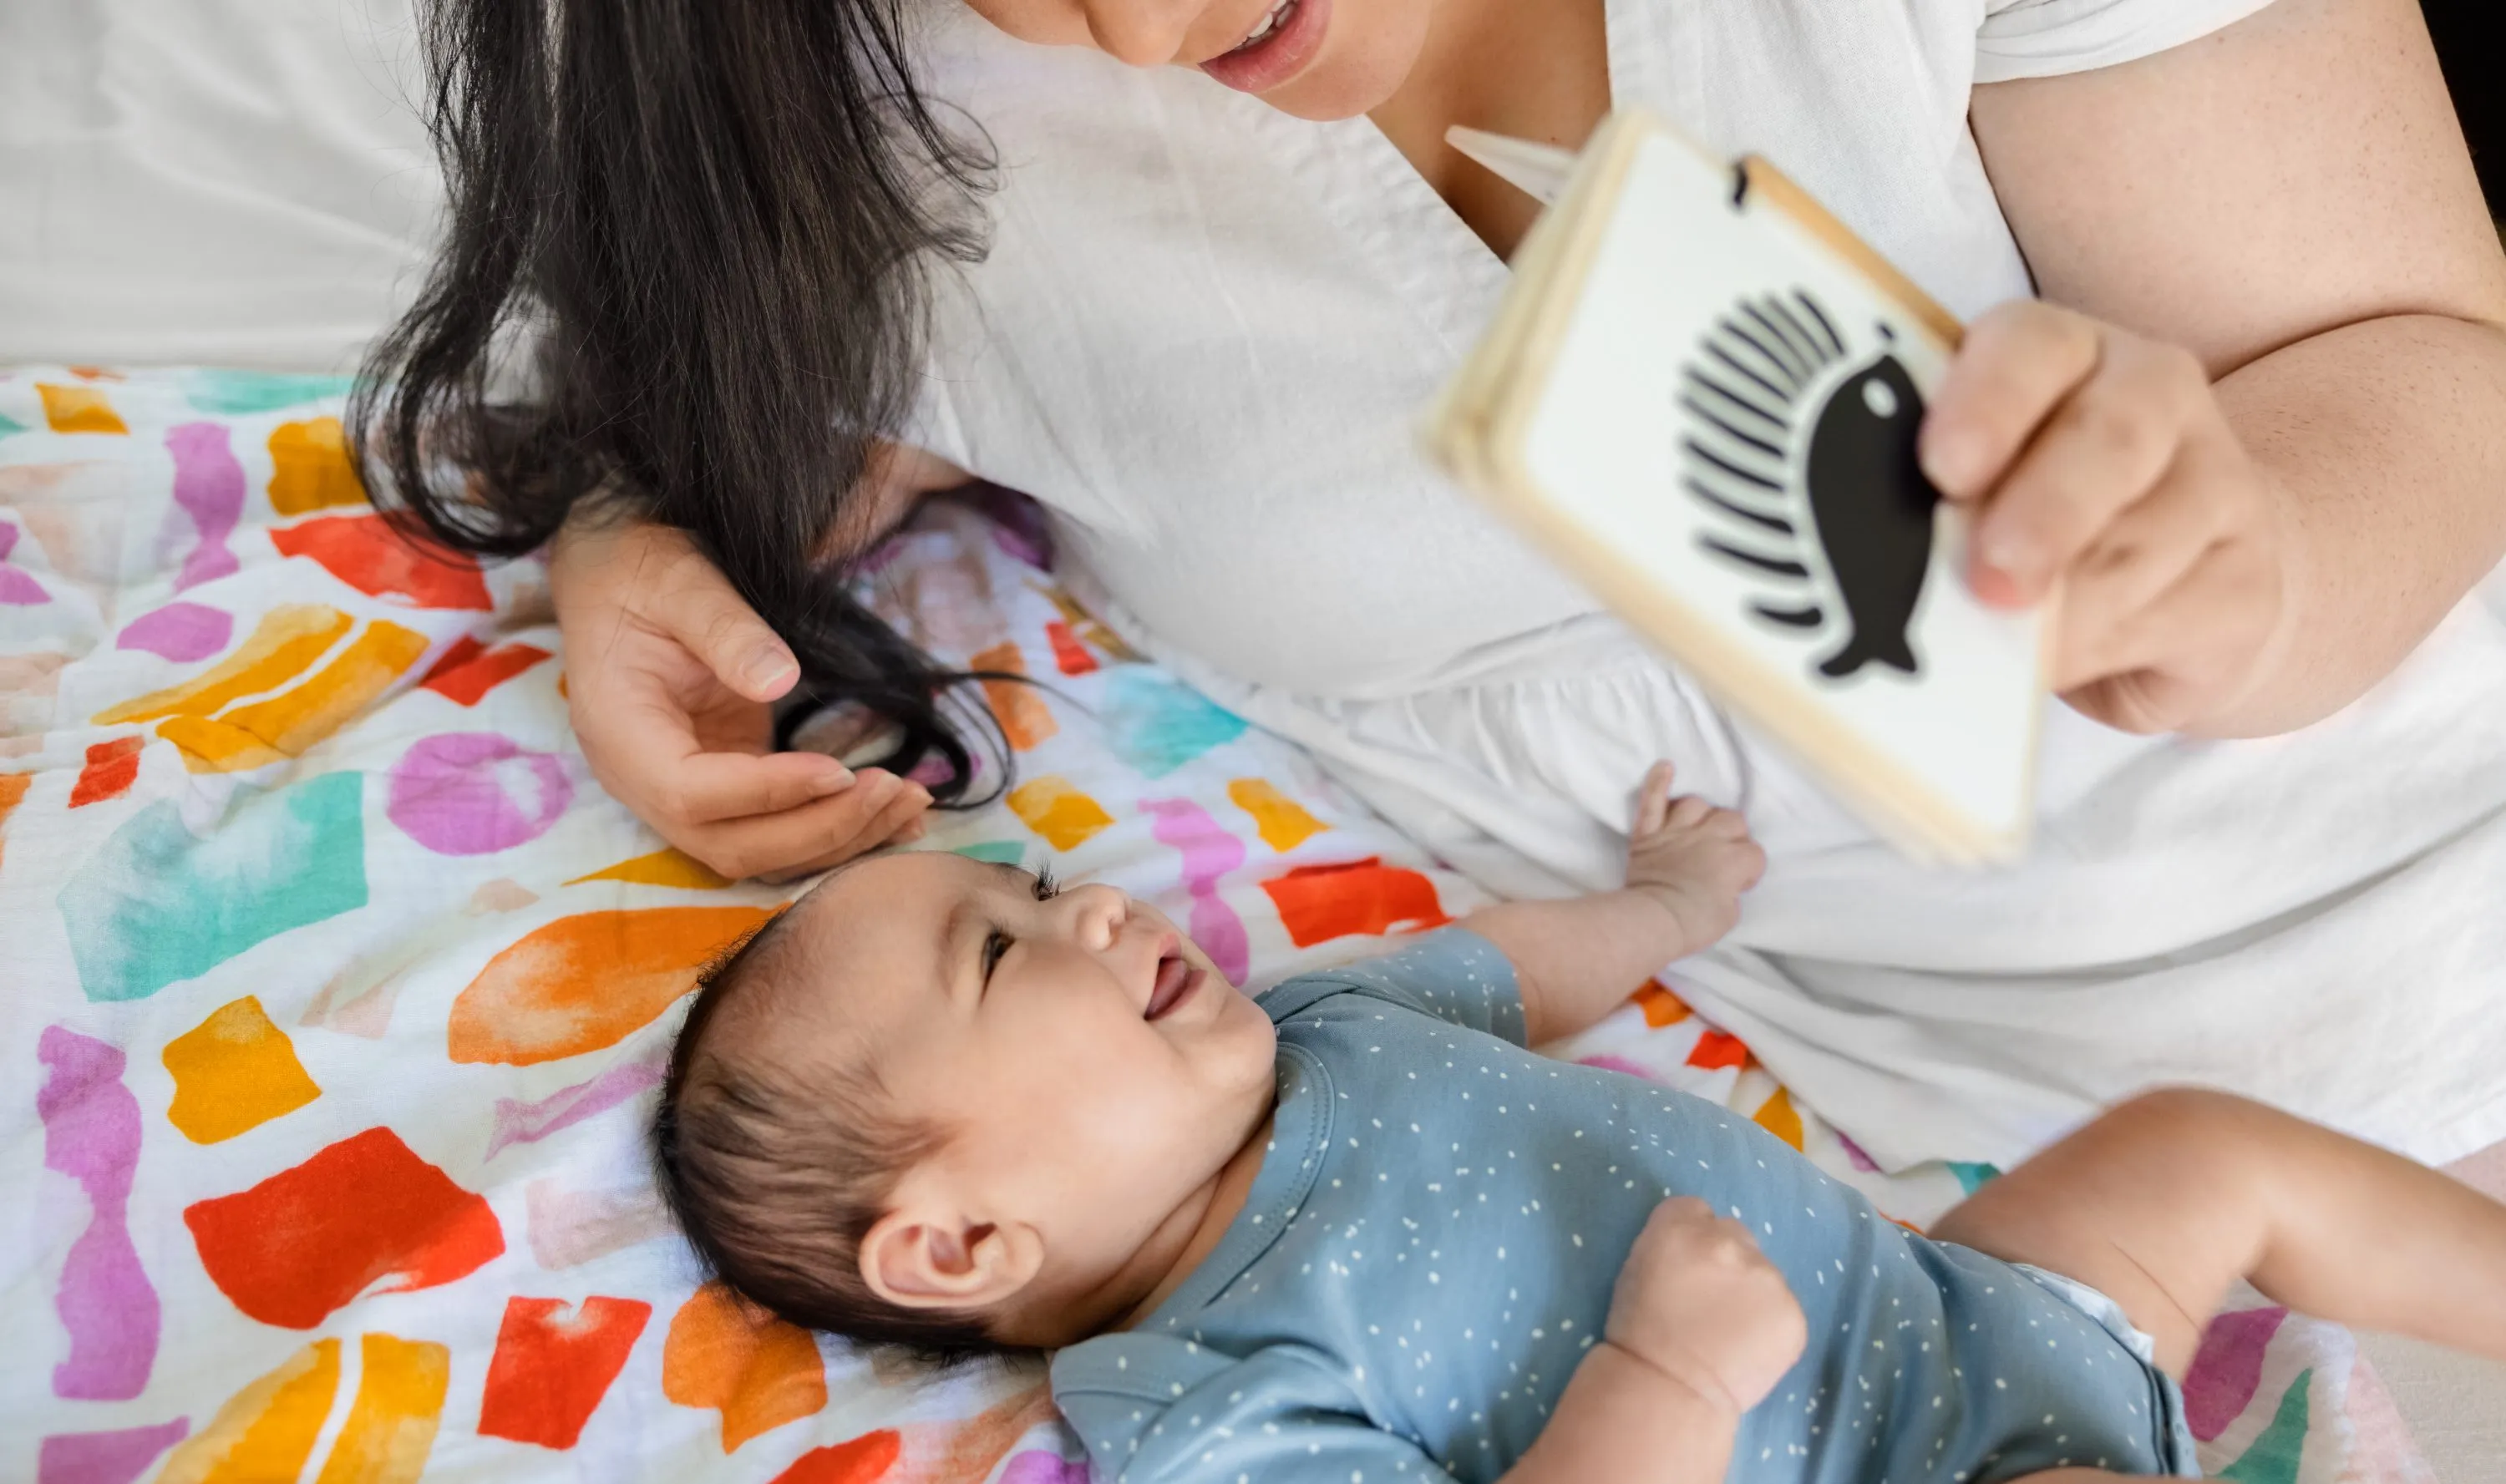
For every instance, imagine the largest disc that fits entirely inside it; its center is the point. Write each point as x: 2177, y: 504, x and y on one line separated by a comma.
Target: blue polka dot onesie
x: 1430, y: 1246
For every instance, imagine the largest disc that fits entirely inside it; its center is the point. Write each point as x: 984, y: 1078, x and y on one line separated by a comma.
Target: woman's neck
x: 1532, y: 69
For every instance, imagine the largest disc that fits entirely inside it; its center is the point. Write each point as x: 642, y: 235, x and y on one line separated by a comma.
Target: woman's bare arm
x: 2291, y: 200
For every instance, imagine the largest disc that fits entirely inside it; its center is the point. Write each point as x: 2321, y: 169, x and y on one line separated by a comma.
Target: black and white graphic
x: 1804, y: 450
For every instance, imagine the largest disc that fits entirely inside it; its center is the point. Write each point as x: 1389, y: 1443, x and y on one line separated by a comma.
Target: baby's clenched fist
x: 1700, y: 1303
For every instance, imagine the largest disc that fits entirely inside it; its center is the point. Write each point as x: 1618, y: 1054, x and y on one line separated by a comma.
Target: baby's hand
x: 1697, y: 1301
x: 1693, y: 858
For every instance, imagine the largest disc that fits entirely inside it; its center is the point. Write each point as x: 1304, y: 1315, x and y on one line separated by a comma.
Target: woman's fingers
x: 695, y: 604
x: 830, y: 831
x: 2097, y: 454
x: 2184, y: 655
x: 2140, y: 556
x: 702, y: 787
x: 2018, y: 364
x: 898, y: 821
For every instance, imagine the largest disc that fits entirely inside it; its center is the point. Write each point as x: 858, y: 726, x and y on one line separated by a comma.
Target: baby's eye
x: 1046, y: 887
x: 995, y: 944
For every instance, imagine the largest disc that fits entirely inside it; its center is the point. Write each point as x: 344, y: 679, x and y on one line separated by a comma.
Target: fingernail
x: 1996, y: 587
x: 834, y: 781
x: 766, y: 664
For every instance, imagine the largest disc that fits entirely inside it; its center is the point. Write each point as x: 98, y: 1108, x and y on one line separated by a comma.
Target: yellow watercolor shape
x: 79, y: 409
x: 1053, y: 808
x: 265, y: 1431
x: 285, y: 725
x: 286, y: 641
x: 234, y: 1071
x: 759, y: 1371
x: 1777, y: 1116
x: 1283, y: 822
x: 667, y: 867
x: 390, y: 1429
x: 311, y: 469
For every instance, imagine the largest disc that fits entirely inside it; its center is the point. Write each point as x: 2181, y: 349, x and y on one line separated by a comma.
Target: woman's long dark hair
x: 684, y: 274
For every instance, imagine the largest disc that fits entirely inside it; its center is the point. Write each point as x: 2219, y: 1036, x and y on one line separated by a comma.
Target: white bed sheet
x: 218, y: 182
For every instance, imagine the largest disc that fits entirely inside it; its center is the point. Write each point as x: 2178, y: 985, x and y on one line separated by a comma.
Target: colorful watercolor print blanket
x: 333, y: 991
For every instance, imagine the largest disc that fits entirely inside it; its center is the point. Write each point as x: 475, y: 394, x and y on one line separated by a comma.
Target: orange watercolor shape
x: 754, y: 1368
x: 296, y: 1248
x: 369, y: 553
x: 1317, y: 903
x: 587, y: 981
x: 1025, y: 720
x: 553, y: 1366
x: 1661, y: 1007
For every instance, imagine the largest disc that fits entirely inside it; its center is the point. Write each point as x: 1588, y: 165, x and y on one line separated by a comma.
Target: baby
x: 1353, y: 1230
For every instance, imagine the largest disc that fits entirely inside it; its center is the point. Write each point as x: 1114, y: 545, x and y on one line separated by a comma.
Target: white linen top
x: 1204, y: 338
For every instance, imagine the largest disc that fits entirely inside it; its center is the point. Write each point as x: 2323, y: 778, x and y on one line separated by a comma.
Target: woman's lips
x: 1267, y: 64
x: 1177, y: 980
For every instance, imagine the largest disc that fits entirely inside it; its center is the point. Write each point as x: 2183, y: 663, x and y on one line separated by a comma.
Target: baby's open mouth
x: 1176, y: 980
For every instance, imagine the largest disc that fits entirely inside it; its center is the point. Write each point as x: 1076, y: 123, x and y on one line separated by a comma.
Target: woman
x: 2250, y: 443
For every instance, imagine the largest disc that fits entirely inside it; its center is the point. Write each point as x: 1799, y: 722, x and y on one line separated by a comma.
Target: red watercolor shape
x: 1717, y: 1049
x: 468, y: 671
x: 112, y: 767
x: 365, y: 553
x: 1069, y: 656
x: 1325, y: 902
x: 865, y: 1459
x: 303, y: 1243
x: 551, y: 1367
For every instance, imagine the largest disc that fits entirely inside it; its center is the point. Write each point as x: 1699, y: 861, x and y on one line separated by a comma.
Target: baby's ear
x: 929, y: 1258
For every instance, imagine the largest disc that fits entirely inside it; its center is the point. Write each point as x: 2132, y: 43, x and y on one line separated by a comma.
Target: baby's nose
x: 1101, y: 910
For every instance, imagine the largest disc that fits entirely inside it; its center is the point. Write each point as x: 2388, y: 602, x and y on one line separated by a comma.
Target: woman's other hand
x: 2104, y: 476
x: 670, y: 678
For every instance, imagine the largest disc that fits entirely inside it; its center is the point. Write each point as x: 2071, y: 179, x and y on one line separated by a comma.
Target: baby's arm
x: 1701, y: 1328
x: 1577, y: 959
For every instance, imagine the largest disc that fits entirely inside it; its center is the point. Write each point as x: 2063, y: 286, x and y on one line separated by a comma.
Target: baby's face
x: 1089, y: 1065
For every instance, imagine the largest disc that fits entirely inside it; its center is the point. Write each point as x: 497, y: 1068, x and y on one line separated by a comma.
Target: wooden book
x: 1700, y: 399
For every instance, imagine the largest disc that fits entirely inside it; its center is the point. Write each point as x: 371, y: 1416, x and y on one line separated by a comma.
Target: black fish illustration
x: 1787, y: 453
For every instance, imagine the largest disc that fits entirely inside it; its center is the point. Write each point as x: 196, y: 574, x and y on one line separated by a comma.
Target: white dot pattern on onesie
x: 1417, y: 1273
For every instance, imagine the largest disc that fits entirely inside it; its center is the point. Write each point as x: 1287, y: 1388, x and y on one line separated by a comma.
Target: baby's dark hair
x: 776, y: 1172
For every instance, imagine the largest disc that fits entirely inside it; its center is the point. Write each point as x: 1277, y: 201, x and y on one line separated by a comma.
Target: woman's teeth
x: 1269, y: 23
